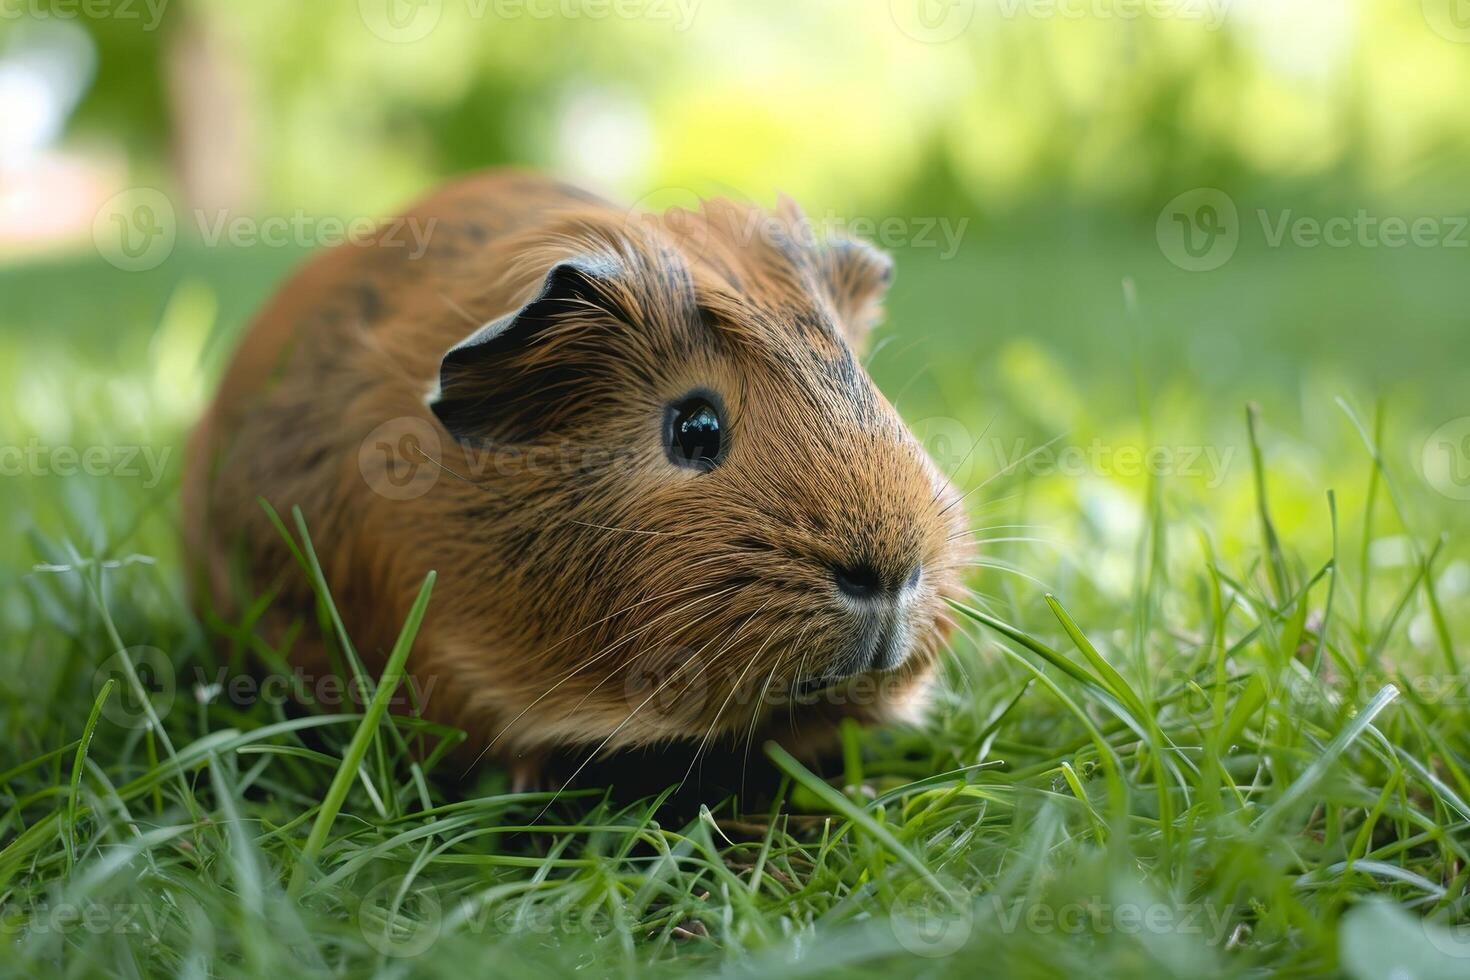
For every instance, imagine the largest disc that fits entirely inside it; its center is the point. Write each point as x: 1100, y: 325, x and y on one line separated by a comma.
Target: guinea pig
x: 663, y: 499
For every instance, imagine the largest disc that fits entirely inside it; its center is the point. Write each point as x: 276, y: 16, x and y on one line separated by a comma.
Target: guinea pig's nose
x: 863, y: 581
x: 858, y: 581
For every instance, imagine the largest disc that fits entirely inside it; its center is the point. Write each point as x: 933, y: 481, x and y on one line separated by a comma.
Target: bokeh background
x: 1115, y: 222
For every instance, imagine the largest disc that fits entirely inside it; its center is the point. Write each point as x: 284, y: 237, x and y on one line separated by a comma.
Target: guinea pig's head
x: 685, y: 502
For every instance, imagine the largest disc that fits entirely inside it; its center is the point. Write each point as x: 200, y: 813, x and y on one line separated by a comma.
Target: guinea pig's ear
x: 856, y: 276
x: 501, y: 379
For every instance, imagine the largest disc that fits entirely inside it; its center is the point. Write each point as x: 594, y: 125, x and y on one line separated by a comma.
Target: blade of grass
x: 76, y: 772
x: 1326, y: 622
x: 1099, y: 828
x: 1109, y: 674
x: 1043, y: 651
x: 1320, y: 766
x: 1144, y: 717
x: 1276, y: 561
x: 1365, y: 561
x: 363, y: 737
x: 1431, y: 595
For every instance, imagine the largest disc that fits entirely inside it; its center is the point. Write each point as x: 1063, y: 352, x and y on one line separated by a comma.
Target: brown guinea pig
x: 663, y: 498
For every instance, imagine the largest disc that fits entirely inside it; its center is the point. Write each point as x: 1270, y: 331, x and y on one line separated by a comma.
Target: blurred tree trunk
x: 212, y: 140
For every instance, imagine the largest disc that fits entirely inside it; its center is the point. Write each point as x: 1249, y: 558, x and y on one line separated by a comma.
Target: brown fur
x: 590, y: 593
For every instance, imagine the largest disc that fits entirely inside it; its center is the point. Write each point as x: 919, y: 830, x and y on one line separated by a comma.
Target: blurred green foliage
x: 354, y: 105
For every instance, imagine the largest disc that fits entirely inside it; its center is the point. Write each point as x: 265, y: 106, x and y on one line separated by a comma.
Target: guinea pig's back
x: 358, y: 287
x: 351, y: 338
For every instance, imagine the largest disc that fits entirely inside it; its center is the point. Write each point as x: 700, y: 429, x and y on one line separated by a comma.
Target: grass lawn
x: 1209, y: 715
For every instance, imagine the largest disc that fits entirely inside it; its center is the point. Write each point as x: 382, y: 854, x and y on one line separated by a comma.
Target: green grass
x: 1192, y: 728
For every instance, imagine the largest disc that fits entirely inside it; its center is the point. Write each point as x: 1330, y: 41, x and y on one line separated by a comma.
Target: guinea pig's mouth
x: 882, y: 648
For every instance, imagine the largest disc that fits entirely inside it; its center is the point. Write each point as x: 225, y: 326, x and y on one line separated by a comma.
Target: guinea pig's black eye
x: 694, y: 432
